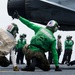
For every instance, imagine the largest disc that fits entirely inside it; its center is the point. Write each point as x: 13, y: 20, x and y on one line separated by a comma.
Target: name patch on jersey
x: 46, y: 33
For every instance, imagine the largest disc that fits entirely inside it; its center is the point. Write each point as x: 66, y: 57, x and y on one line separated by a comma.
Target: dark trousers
x: 37, y: 63
x: 20, y: 56
x: 10, y: 59
x: 42, y: 61
x: 50, y: 57
x: 67, y: 56
x: 42, y: 66
x: 59, y: 52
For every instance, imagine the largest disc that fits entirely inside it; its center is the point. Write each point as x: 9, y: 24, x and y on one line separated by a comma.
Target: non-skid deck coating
x: 66, y: 70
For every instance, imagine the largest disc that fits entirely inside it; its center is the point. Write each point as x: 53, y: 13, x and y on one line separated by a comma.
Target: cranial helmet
x: 67, y: 37
x: 21, y: 35
x: 59, y: 36
x: 11, y: 28
x: 24, y: 35
x: 70, y: 37
x: 52, y: 25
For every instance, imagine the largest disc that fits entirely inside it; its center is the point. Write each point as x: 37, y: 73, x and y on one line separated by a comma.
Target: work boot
x: 28, y: 68
x: 31, y: 67
x: 15, y: 68
x: 25, y: 68
x: 57, y: 68
x: 70, y: 63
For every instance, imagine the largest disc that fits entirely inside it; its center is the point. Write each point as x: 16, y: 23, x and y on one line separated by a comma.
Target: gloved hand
x: 57, y: 68
x: 15, y: 15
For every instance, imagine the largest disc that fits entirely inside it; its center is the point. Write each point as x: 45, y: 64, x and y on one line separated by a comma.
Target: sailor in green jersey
x: 41, y: 42
x: 20, y: 44
x: 68, y: 49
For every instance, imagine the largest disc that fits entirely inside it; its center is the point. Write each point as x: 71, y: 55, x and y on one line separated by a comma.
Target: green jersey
x: 43, y: 40
x: 20, y: 43
x: 69, y: 44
